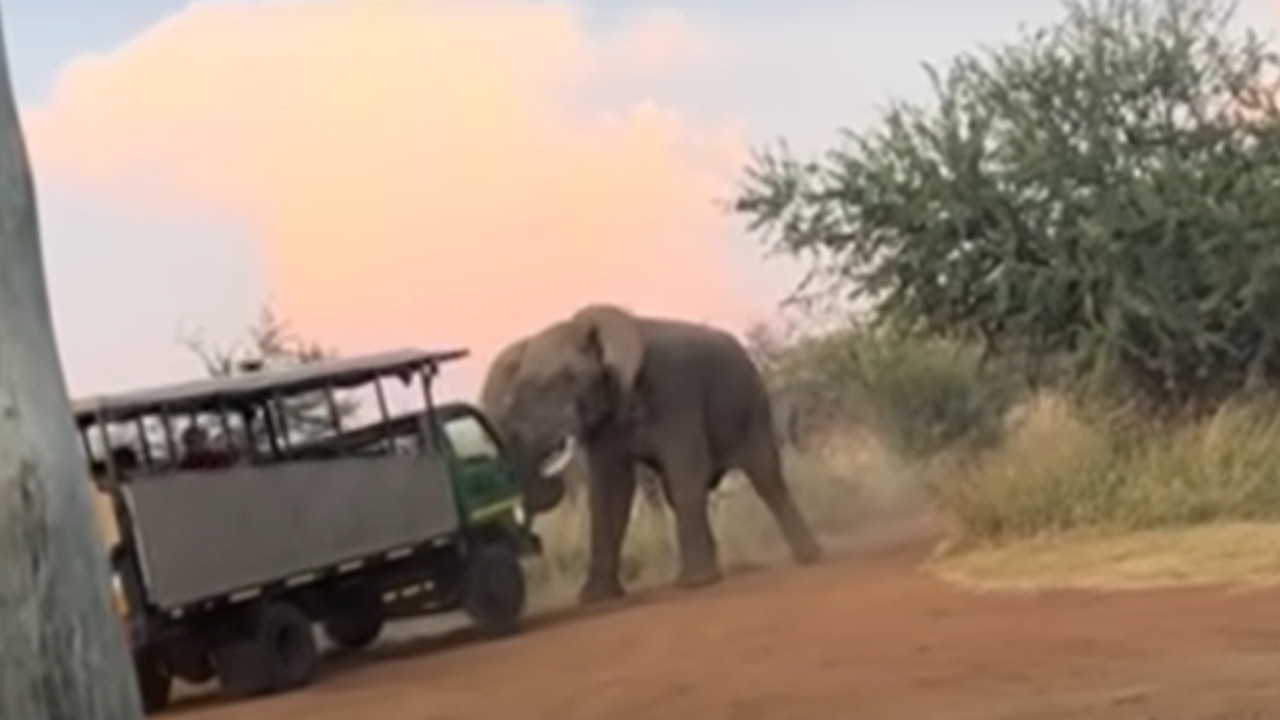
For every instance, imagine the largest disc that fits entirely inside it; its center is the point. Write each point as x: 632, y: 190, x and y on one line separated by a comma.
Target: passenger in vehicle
x: 125, y: 460
x: 199, y: 454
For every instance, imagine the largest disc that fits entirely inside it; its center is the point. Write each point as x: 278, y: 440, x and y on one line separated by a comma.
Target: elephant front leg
x: 611, y: 491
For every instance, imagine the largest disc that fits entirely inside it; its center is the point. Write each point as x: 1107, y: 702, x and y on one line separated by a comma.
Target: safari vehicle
x: 228, y: 551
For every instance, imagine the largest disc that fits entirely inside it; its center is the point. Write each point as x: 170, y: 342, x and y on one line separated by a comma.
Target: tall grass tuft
x: 1064, y: 468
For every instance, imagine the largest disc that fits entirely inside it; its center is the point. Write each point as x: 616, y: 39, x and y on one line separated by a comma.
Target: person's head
x: 195, y: 438
x: 124, y: 459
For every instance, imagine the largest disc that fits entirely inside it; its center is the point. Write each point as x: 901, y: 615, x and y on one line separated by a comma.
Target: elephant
x: 681, y: 399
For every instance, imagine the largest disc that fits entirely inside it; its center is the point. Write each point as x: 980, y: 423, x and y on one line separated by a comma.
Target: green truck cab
x: 483, y: 476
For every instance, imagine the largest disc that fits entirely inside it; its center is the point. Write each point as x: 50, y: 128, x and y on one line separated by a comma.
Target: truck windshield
x: 470, y: 439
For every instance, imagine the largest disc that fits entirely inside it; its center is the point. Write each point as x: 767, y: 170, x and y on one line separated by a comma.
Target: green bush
x: 930, y: 396
x: 920, y: 396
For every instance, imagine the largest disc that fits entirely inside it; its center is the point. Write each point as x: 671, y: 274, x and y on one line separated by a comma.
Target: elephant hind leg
x: 686, y: 469
x: 762, y: 465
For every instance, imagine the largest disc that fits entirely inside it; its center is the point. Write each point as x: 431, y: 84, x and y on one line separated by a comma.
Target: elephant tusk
x: 558, y: 462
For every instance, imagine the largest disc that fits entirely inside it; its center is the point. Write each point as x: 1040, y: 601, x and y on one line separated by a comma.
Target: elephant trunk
x: 541, y: 492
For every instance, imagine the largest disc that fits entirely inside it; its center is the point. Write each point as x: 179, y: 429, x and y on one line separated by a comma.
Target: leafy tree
x: 1103, y: 192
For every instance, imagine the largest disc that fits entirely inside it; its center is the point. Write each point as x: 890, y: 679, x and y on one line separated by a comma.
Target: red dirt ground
x: 863, y: 635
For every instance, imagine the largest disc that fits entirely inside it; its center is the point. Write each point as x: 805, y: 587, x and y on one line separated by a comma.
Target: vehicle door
x: 483, y: 480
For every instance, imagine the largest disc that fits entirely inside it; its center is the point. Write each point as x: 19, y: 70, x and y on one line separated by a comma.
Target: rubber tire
x: 295, y: 656
x: 359, y: 621
x: 494, y: 591
x: 244, y: 670
x: 197, y: 667
x: 279, y: 653
x: 155, y: 683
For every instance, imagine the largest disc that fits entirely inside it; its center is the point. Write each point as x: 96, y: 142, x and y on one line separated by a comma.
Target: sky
x: 433, y: 173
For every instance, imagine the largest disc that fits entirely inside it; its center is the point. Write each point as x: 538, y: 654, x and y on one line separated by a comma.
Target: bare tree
x: 270, y: 342
x: 62, y: 651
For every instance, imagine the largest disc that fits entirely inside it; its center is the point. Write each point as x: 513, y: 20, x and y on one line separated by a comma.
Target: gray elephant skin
x: 626, y: 391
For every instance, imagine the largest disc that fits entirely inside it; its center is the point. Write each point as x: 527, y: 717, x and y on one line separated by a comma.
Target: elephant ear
x: 499, y: 382
x: 612, y: 335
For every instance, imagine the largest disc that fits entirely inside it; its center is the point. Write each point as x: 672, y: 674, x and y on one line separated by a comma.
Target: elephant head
x: 549, y: 392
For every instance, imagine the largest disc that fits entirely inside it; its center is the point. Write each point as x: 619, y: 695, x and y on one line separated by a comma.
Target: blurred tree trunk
x: 62, y: 652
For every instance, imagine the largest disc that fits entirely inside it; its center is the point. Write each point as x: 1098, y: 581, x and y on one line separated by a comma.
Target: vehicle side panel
x: 206, y: 534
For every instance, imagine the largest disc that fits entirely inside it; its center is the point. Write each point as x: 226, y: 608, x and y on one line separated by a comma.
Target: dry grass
x: 1090, y: 500
x: 1062, y: 470
x: 841, y: 482
x: 1219, y: 553
x: 1070, y: 498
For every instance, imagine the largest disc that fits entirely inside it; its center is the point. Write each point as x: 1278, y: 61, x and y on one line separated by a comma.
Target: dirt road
x: 864, y: 636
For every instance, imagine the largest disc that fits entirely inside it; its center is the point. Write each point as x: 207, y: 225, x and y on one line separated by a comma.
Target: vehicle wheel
x: 155, y: 683
x: 199, y: 673
x: 493, y: 593
x: 357, y: 620
x: 278, y: 654
x: 192, y: 663
x: 244, y: 669
x: 294, y: 655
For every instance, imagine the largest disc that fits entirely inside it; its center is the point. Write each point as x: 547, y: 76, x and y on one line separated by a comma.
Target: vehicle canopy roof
x: 197, y: 395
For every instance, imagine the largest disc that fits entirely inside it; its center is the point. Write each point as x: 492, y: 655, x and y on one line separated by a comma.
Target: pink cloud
x: 417, y: 172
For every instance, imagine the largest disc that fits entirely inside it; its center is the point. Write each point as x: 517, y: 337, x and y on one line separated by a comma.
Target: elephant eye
x: 569, y: 381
